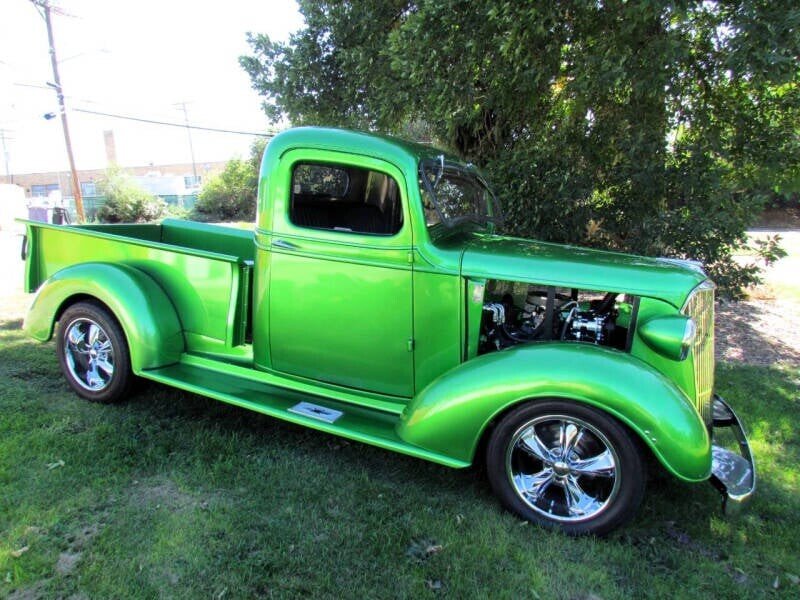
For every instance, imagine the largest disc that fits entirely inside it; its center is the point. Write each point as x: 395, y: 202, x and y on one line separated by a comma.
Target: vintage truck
x: 374, y: 301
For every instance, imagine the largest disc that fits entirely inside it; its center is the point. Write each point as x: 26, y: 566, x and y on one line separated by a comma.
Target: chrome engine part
x: 549, y: 314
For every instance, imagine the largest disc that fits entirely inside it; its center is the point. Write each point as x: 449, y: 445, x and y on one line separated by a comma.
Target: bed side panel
x: 202, y: 289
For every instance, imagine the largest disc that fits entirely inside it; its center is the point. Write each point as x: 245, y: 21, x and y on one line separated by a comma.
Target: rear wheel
x: 93, y: 353
x: 567, y: 466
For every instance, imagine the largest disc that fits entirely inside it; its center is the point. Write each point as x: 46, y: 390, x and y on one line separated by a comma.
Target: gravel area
x: 758, y: 332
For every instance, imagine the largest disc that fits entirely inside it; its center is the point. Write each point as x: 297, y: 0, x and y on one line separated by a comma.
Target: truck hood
x: 516, y: 259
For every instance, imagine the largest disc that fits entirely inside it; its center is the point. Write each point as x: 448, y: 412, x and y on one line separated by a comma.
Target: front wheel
x: 567, y: 466
x: 93, y: 353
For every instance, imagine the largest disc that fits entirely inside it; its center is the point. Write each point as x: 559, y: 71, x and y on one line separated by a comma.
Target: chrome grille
x: 700, y: 307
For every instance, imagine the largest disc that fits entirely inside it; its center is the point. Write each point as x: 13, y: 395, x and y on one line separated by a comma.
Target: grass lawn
x: 174, y: 495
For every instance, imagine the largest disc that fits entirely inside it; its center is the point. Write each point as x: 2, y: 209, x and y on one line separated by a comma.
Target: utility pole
x: 189, y: 133
x: 76, y: 185
x: 5, y: 155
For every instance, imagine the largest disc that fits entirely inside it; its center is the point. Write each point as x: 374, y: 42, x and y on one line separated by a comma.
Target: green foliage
x: 126, y: 202
x: 231, y: 195
x: 175, y: 211
x: 656, y: 128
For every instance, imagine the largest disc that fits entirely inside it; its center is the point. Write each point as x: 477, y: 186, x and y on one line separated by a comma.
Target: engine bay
x: 517, y: 313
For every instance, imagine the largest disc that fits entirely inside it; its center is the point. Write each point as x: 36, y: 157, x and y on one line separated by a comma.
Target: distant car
x: 374, y: 301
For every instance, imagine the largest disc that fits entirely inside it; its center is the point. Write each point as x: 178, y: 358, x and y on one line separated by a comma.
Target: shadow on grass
x: 768, y: 416
x: 11, y: 324
x: 165, y: 404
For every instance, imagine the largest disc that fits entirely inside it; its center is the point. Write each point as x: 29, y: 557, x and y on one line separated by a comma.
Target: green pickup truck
x: 375, y: 301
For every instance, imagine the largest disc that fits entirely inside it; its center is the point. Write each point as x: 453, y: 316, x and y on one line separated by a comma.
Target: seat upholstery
x: 356, y: 217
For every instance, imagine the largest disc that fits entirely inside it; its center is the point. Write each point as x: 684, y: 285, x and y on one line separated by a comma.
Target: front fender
x: 144, y: 311
x: 451, y: 413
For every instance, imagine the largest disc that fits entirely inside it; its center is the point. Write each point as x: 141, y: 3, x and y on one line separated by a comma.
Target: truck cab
x: 375, y: 299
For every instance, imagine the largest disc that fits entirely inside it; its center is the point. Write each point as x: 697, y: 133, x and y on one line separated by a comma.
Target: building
x: 160, y: 180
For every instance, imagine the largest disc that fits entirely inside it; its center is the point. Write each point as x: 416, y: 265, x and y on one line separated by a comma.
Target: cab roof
x: 389, y: 148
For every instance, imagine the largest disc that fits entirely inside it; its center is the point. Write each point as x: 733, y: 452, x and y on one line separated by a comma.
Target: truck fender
x: 148, y: 318
x: 451, y: 414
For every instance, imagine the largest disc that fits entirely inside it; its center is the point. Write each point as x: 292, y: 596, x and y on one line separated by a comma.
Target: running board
x: 347, y: 420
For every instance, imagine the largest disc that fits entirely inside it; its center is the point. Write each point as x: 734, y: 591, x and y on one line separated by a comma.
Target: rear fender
x: 451, y: 414
x: 144, y: 311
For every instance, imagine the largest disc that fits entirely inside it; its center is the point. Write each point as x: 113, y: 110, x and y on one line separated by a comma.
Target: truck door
x: 340, y: 305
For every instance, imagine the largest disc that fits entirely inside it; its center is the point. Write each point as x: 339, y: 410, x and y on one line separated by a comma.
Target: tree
x: 126, y: 202
x: 657, y: 128
x: 231, y: 195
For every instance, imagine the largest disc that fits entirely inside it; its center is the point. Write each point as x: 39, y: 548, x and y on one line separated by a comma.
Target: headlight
x: 671, y: 336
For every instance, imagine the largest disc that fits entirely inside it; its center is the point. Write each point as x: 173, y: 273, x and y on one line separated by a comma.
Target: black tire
x: 595, y: 489
x: 100, y: 370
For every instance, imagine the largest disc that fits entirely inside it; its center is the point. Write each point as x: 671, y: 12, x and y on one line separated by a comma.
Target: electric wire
x: 145, y: 120
x: 170, y: 124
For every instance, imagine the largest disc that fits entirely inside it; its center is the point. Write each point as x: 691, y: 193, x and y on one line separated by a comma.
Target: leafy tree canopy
x: 657, y: 128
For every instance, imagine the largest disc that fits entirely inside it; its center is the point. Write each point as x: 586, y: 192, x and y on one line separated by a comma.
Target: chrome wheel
x: 563, y: 468
x: 88, y: 354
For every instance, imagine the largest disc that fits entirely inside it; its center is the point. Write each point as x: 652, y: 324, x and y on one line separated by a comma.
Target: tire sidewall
x: 630, y: 471
x: 120, y: 380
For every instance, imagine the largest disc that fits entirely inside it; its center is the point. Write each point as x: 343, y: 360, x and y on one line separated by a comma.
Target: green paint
x: 383, y: 327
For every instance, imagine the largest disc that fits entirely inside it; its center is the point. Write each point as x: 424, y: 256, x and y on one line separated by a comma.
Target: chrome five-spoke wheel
x: 89, y: 354
x: 563, y: 468
x: 93, y: 352
x: 566, y: 465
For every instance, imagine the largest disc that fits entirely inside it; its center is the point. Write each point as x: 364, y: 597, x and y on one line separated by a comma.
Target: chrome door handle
x: 283, y: 245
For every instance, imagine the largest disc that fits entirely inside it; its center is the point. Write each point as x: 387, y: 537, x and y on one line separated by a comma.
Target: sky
x: 137, y: 59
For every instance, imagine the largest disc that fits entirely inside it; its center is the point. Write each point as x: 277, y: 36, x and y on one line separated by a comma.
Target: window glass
x: 431, y: 214
x: 453, y: 194
x: 345, y: 198
x: 42, y: 191
x: 319, y: 180
x: 88, y: 188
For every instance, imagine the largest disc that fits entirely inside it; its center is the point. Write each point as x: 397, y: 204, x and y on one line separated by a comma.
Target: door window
x: 345, y: 198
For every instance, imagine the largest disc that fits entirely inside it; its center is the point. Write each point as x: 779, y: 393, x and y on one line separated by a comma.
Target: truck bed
x: 206, y: 270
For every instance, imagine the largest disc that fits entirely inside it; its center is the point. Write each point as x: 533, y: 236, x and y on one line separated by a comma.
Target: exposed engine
x: 512, y: 316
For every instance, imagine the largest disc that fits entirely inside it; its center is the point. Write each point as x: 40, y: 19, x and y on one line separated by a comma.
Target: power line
x: 5, y: 138
x: 183, y: 125
x: 142, y: 119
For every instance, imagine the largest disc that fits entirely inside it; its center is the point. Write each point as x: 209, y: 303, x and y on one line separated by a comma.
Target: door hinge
x: 411, y: 257
x: 410, y: 344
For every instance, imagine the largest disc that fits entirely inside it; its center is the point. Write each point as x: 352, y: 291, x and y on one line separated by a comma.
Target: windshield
x: 451, y: 194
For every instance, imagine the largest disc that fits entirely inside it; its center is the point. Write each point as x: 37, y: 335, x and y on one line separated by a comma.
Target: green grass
x: 174, y: 495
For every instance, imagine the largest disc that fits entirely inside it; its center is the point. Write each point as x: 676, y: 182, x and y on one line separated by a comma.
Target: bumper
x: 734, y: 475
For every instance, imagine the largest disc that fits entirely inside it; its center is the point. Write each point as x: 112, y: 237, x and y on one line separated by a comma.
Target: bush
x: 126, y: 202
x: 231, y: 195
